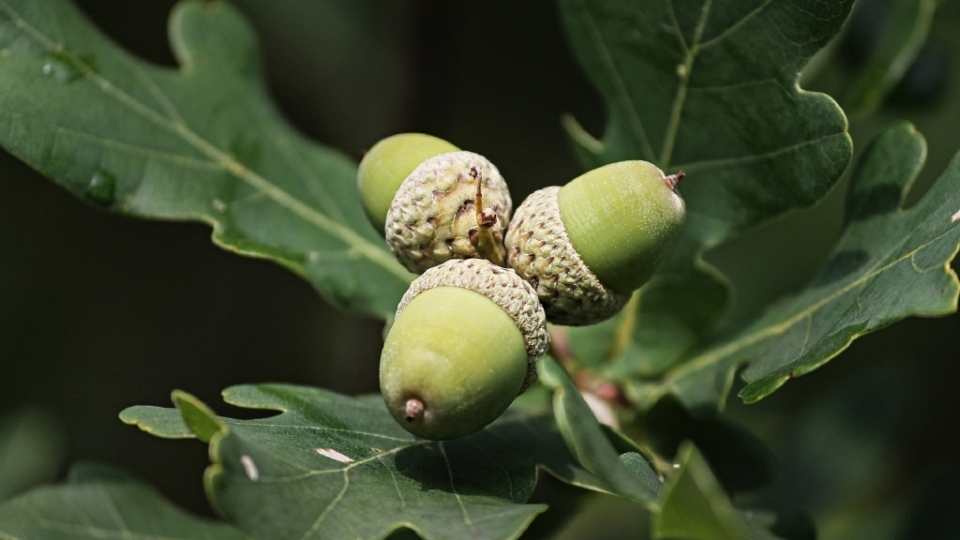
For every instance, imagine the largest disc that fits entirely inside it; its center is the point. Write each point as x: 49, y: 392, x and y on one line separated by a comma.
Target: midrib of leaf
x: 636, y: 125
x: 713, y: 356
x: 219, y: 158
x: 690, y: 55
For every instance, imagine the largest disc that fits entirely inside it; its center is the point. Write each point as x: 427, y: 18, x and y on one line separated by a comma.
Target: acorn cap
x: 505, y: 288
x: 434, y: 215
x: 539, y: 249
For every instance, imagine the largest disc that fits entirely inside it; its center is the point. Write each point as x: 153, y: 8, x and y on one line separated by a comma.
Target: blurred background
x: 100, y: 312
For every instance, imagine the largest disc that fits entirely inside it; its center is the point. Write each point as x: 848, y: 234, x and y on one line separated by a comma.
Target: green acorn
x: 434, y: 202
x: 463, y: 345
x: 586, y: 246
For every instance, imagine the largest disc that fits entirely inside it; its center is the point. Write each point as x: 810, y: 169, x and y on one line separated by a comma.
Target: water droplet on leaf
x: 101, y: 189
x: 60, y: 68
x: 219, y: 205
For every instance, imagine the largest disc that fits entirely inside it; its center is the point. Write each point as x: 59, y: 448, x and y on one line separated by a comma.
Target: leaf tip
x: 201, y: 420
x: 762, y: 388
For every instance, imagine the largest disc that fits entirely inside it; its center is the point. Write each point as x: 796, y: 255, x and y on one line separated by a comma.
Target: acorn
x: 463, y: 345
x: 433, y: 201
x: 586, y: 246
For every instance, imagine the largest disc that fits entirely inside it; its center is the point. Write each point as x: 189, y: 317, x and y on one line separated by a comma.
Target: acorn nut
x: 434, y: 202
x: 587, y: 245
x: 463, y: 345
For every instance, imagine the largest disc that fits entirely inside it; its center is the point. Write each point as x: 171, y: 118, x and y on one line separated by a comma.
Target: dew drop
x: 101, y: 189
x: 219, y: 205
x: 59, y: 68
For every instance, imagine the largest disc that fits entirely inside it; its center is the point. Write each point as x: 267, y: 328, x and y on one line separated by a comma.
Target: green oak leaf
x: 709, y: 87
x: 890, y: 263
x: 333, y: 466
x: 203, y: 142
x: 694, y: 504
x: 98, y: 502
x: 630, y: 475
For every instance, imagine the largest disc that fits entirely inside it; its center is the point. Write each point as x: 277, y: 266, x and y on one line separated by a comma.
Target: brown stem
x: 486, y: 218
x: 674, y: 179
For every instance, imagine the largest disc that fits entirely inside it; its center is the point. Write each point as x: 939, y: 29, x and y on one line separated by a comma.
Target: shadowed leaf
x: 333, y: 466
x: 890, y: 263
x: 98, y: 502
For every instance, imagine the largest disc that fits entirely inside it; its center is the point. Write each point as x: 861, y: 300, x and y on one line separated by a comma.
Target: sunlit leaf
x: 890, y: 263
x: 203, y: 142
x: 710, y: 88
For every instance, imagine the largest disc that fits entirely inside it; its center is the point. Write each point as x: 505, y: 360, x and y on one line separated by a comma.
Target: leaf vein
x: 735, y: 26
x: 248, y: 423
x: 453, y: 487
x: 281, y: 197
x: 497, y: 464
x: 396, y: 485
x: 715, y: 355
x: 323, y: 515
x: 676, y: 111
x: 703, y: 165
x: 114, y: 511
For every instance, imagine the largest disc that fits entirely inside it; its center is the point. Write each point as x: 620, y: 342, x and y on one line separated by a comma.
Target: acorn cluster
x: 468, y: 332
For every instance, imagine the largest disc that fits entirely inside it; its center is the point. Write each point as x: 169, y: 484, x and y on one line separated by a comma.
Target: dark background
x: 99, y: 312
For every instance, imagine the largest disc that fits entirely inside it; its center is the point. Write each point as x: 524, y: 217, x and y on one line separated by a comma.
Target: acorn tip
x: 414, y: 409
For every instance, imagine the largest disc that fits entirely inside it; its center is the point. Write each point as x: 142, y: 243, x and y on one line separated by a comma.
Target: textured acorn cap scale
x: 434, y: 215
x: 539, y: 249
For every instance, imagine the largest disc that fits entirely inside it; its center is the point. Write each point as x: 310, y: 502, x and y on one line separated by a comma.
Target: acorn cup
x: 586, y: 246
x: 434, y: 202
x: 463, y: 345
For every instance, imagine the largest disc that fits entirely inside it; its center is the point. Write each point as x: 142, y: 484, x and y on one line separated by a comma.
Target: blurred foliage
x: 31, y: 450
